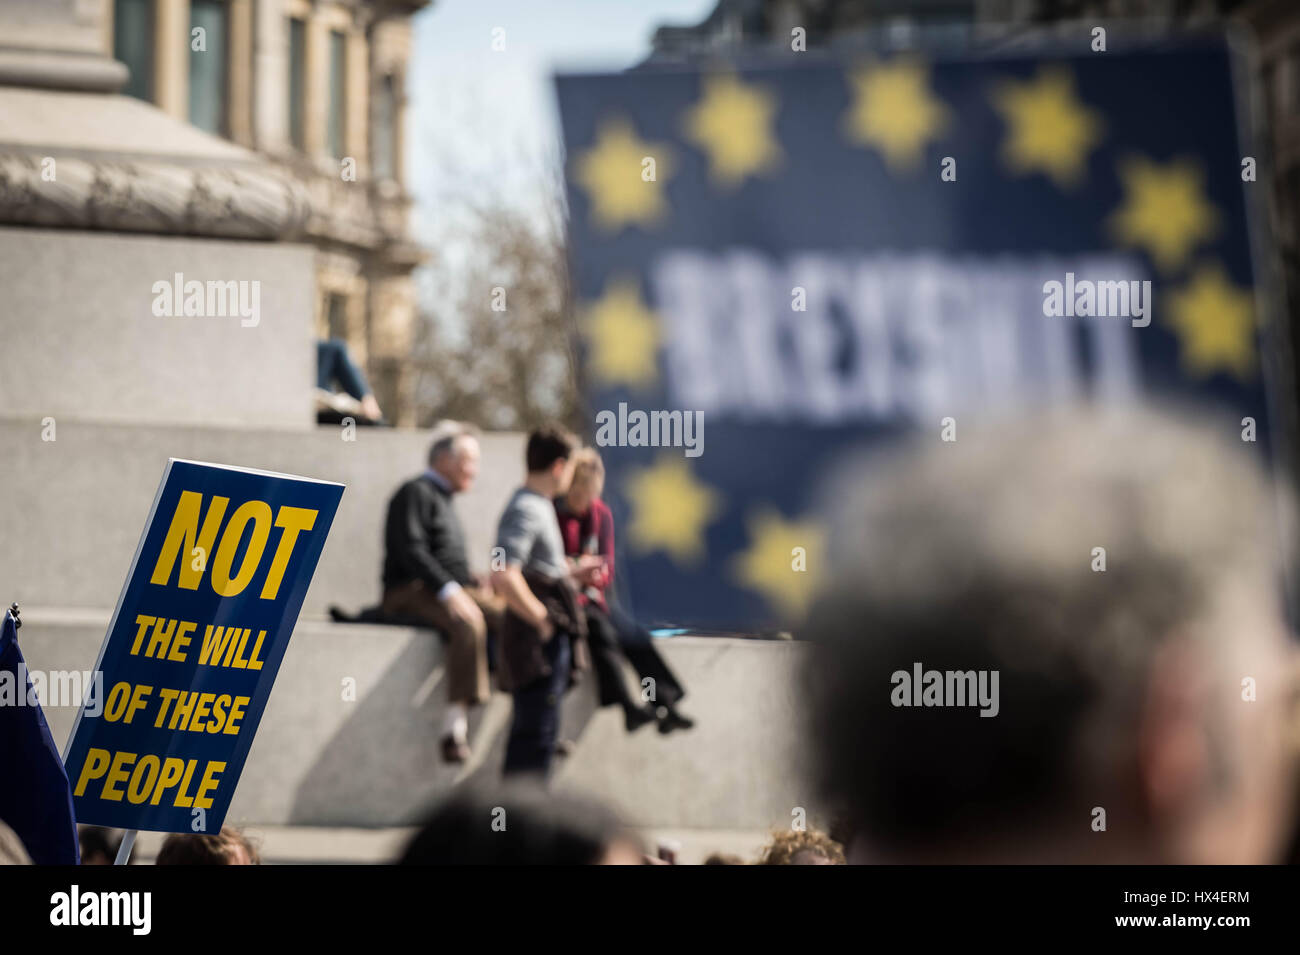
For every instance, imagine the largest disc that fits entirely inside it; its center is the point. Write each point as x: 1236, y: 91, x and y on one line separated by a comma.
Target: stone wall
x: 76, y: 506
x: 81, y: 340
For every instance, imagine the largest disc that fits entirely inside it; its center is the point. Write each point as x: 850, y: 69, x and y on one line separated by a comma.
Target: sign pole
x: 124, y: 850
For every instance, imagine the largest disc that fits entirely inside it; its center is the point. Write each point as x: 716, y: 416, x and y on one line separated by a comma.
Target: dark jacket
x: 520, y: 659
x: 423, y: 537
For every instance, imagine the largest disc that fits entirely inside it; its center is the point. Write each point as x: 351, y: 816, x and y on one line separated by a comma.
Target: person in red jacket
x: 587, y: 526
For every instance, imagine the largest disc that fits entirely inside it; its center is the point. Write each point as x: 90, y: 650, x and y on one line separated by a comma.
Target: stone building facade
x: 317, y: 87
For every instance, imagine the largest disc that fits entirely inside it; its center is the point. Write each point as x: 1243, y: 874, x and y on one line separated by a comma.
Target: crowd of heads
x: 529, y: 826
x: 229, y: 846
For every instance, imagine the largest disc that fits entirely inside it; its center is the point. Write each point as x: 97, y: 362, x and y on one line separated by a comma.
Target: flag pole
x: 124, y: 850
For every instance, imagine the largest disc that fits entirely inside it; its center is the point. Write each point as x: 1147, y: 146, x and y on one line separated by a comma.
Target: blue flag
x: 35, y: 799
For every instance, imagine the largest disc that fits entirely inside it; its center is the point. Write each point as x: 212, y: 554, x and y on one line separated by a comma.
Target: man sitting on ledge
x: 427, y: 577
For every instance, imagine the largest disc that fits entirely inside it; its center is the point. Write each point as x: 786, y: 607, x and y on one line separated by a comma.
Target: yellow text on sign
x: 149, y: 779
x: 186, y: 533
x: 194, y: 711
x: 222, y: 646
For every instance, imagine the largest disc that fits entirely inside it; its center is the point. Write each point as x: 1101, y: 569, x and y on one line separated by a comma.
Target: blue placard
x: 791, y: 259
x: 194, y: 645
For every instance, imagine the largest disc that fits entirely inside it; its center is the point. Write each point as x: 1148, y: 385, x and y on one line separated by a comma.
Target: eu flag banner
x: 806, y: 257
x: 194, y: 645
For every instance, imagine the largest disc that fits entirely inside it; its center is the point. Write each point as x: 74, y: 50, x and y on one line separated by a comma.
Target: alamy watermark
x: 24, y: 687
x: 127, y: 909
x: 1086, y: 298
x: 214, y: 299
x: 651, y: 429
x: 922, y: 687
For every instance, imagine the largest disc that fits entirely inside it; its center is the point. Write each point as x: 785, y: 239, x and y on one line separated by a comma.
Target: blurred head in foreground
x: 1058, y: 643
x: 723, y: 858
x: 810, y: 847
x: 522, y: 826
x: 98, y: 845
x: 227, y: 847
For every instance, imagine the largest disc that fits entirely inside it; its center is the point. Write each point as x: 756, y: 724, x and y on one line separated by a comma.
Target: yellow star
x: 1050, y: 130
x: 894, y: 111
x: 1215, y: 323
x: 1165, y: 210
x: 783, y: 562
x: 623, y: 334
x: 733, y: 124
x: 613, y: 173
x: 670, y: 510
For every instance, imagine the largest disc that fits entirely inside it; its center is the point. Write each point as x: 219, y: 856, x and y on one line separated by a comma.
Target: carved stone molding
x: 151, y: 196
x: 42, y: 69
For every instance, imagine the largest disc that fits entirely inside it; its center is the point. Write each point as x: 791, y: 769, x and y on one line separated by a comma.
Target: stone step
x: 322, y: 760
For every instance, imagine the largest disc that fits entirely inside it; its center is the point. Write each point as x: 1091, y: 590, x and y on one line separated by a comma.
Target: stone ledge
x: 321, y: 760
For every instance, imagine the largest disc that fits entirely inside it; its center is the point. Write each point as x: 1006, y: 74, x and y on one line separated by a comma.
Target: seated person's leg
x: 467, y: 669
x: 414, y: 601
x: 606, y: 659
x: 560, y: 653
x: 492, y: 604
x: 334, y: 364
x: 467, y: 664
x: 328, y: 354
x: 493, y: 607
x: 638, y: 645
x: 535, y: 726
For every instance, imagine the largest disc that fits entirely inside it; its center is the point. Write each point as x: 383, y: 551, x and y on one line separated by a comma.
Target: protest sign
x: 194, y: 645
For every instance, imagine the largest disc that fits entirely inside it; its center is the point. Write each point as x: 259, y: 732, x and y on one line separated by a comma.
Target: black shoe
x: 635, y: 717
x: 670, y: 719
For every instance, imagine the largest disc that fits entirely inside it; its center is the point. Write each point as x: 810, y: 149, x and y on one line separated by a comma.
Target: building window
x: 336, y: 316
x: 297, y: 54
x: 133, y: 44
x: 208, y: 65
x: 383, y: 141
x: 338, y: 93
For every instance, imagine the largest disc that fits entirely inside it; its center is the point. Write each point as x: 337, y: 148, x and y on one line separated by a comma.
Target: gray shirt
x: 529, y: 534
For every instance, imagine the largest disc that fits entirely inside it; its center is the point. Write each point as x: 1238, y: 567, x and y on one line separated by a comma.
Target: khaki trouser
x: 467, y: 655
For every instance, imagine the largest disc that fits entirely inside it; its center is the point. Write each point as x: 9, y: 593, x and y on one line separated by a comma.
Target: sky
x: 483, y: 122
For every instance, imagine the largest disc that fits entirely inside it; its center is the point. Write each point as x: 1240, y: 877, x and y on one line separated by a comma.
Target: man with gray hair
x: 1114, y: 578
x: 427, y: 575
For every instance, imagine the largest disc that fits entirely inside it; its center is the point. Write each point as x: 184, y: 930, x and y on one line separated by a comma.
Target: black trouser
x: 612, y: 635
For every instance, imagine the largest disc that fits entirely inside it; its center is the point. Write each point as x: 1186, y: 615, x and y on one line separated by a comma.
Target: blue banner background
x: 831, y: 195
